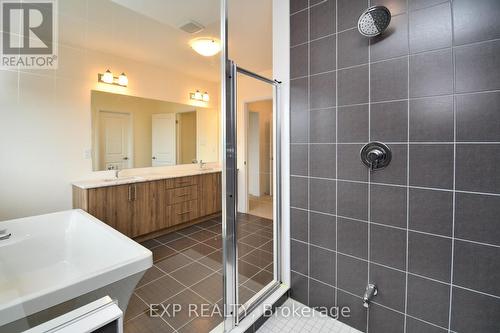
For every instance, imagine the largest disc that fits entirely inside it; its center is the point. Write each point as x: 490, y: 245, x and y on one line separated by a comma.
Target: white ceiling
x: 148, y: 31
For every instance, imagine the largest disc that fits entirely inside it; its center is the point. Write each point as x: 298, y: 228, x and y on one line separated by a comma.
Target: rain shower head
x: 374, y: 21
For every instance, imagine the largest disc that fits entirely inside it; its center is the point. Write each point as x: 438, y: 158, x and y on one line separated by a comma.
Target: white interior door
x: 163, y: 139
x: 115, y: 140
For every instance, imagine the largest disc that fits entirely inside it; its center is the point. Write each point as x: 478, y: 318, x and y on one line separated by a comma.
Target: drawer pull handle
x: 189, y: 211
x: 183, y: 195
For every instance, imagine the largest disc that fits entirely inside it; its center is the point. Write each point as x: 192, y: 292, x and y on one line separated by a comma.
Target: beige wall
x: 186, y: 137
x: 45, y: 127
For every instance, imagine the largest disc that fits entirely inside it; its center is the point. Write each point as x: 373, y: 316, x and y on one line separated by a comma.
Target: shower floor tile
x: 188, y: 270
x: 280, y: 322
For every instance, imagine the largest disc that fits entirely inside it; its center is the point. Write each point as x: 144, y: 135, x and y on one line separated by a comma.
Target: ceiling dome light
x: 206, y: 46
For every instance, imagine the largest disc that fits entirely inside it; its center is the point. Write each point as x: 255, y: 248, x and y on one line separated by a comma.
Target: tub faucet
x: 201, y: 165
x: 4, y: 234
x: 117, y: 173
x: 371, y: 291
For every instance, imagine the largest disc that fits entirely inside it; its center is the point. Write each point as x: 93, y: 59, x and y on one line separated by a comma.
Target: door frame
x: 234, y: 313
x: 97, y: 138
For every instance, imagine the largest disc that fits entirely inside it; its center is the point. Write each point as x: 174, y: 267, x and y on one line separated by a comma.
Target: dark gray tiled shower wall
x: 426, y: 230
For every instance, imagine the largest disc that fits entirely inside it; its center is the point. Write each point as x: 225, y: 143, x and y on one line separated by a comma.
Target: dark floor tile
x: 473, y: 312
x: 135, y: 307
x: 169, y: 237
x: 189, y: 230
x: 429, y: 300
x: 388, y: 246
x: 477, y: 267
x: 202, y: 235
x: 322, y: 230
x: 388, y: 205
x: 185, y: 301
x: 151, y: 274
x: 173, y: 262
x: 246, y: 270
x: 476, y: 218
x: 383, y: 320
x: 159, y: 290
x: 213, y: 260
x: 162, y: 252
x: 201, y: 324
x: 352, y: 274
x: 259, y: 280
x: 147, y: 324
x: 198, y: 251
x: 210, y: 288
x: 254, y: 240
x: 429, y: 256
x: 352, y: 237
x: 431, y: 211
x: 391, y: 286
x: 259, y: 258
x: 214, y: 242
x: 182, y: 243
x: 150, y: 243
x: 191, y: 274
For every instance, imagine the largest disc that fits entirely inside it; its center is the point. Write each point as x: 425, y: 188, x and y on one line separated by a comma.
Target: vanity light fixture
x: 206, y: 46
x: 198, y: 96
x: 107, y: 77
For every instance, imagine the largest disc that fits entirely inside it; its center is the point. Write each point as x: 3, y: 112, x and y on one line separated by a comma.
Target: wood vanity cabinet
x: 149, y: 207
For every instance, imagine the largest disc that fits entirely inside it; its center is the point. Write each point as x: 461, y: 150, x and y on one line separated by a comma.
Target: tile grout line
x: 308, y: 148
x: 336, y: 301
x: 369, y: 179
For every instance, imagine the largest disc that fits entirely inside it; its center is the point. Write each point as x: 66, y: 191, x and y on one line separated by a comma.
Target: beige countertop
x: 139, y: 178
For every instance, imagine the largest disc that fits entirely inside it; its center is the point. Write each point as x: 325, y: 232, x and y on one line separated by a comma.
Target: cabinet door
x: 210, y: 200
x: 112, y: 205
x: 146, y: 218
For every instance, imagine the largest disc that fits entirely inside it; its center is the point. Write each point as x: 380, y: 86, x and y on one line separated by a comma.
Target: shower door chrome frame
x: 233, y: 312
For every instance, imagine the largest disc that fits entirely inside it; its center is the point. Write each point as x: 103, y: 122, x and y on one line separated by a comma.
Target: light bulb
x: 107, y: 77
x: 123, y: 80
x: 198, y: 96
x: 206, y: 97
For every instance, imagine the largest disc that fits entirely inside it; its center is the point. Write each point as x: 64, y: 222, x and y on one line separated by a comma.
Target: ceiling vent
x: 192, y: 27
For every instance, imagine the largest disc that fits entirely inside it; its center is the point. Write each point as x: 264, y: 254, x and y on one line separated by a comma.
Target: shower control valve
x: 376, y: 155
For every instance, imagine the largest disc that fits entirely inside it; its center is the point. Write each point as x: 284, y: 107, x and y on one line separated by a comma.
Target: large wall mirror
x: 134, y: 132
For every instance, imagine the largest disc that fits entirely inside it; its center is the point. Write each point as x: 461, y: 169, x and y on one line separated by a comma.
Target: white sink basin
x: 56, y: 257
x: 124, y: 179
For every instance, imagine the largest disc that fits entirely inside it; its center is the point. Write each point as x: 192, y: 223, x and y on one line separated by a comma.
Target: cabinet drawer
x: 184, y: 211
x: 182, y: 194
x: 182, y: 182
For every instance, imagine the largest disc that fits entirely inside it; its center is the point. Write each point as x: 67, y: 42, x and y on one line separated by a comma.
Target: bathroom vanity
x: 148, y: 205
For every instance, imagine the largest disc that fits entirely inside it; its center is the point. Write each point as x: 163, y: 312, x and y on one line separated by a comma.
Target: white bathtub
x: 63, y: 257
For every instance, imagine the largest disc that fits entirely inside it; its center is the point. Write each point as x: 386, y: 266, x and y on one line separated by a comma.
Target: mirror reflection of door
x: 186, y: 137
x: 163, y: 139
x: 115, y: 134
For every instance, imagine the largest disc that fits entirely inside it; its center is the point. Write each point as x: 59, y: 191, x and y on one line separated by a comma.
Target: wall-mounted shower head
x: 374, y: 21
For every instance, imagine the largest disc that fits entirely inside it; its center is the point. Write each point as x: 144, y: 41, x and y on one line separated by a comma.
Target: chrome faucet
x: 371, y: 291
x: 117, y: 173
x: 201, y: 165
